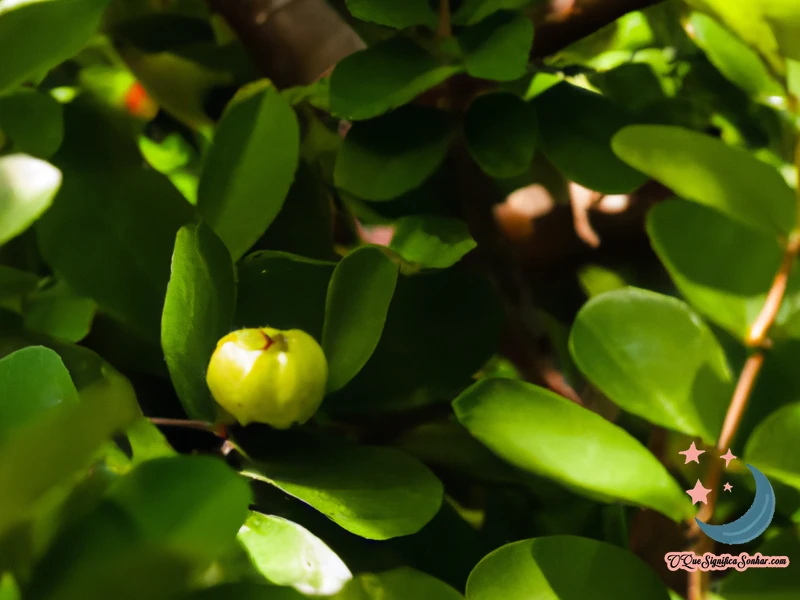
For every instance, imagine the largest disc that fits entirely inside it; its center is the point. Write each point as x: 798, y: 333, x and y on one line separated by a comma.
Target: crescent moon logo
x: 752, y: 523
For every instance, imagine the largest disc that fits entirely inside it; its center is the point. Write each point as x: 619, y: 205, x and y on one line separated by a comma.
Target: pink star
x: 692, y: 454
x: 728, y: 457
x: 728, y: 487
x: 698, y: 493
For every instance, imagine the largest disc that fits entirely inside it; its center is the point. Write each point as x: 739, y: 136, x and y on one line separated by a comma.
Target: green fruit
x: 268, y: 376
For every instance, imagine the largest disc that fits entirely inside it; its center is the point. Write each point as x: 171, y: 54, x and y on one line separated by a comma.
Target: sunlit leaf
x: 288, y: 554
x: 359, y: 294
x: 536, y: 568
x: 652, y: 356
x: 533, y: 429
x: 198, y: 311
x: 27, y: 188
x: 249, y: 169
x: 700, y: 168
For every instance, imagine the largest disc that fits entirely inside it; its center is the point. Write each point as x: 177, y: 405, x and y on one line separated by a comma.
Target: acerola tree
x: 474, y: 275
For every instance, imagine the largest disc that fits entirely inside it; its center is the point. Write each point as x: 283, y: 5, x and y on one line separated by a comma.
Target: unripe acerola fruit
x: 268, y: 376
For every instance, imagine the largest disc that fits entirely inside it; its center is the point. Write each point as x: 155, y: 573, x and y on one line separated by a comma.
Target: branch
x: 564, y: 22
x: 292, y: 42
x: 444, y: 30
x: 757, y: 339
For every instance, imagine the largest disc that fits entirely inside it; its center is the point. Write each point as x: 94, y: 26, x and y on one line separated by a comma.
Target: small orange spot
x: 139, y: 103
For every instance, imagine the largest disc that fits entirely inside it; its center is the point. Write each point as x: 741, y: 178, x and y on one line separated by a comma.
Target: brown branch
x: 444, y: 29
x: 757, y: 339
x: 558, y: 26
x: 772, y: 304
x: 292, y: 42
x: 186, y: 424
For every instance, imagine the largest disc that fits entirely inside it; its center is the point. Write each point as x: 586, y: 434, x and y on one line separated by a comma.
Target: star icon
x: 728, y: 487
x: 727, y: 457
x: 692, y: 454
x: 698, y: 493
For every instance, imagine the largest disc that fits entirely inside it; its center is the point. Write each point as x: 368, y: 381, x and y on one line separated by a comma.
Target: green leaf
x: 449, y: 445
x: 384, y: 76
x: 430, y: 241
x: 653, y: 357
x: 770, y: 447
x: 441, y: 329
x: 103, y: 556
x: 34, y: 381
x: 246, y: 591
x: 533, y: 429
x: 359, y: 294
x: 470, y: 12
x: 111, y: 231
x: 575, y: 131
x: 501, y: 131
x: 290, y: 555
x: 33, y: 121
x: 8, y: 588
x: 397, y: 584
x: 390, y: 155
x: 770, y: 26
x: 14, y: 284
x: 633, y: 86
x: 284, y: 291
x: 536, y: 568
x: 27, y: 188
x: 498, y: 47
x: 723, y: 268
x: 735, y: 60
x: 194, y: 505
x: 394, y: 14
x: 47, y: 453
x: 249, y: 169
x: 784, y: 18
x: 59, y: 312
x: 167, y: 155
x: 700, y: 168
x: 376, y: 493
x: 34, y: 38
x: 198, y: 311
x: 596, y: 280
x: 147, y: 442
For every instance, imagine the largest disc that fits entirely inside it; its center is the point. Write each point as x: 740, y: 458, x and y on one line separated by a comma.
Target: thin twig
x: 444, y: 29
x: 757, y: 339
x: 758, y: 332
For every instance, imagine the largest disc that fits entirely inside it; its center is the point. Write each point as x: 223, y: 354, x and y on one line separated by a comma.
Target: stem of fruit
x: 757, y: 341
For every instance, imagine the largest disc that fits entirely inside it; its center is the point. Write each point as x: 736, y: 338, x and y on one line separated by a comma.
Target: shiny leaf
x: 700, y: 168
x: 288, y: 554
x: 376, y: 493
x: 384, y: 76
x: 536, y: 568
x: 533, y: 429
x: 359, y: 294
x: 249, y: 169
x: 653, y: 357
x: 27, y: 188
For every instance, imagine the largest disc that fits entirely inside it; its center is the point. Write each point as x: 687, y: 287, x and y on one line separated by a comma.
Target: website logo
x: 746, y: 528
